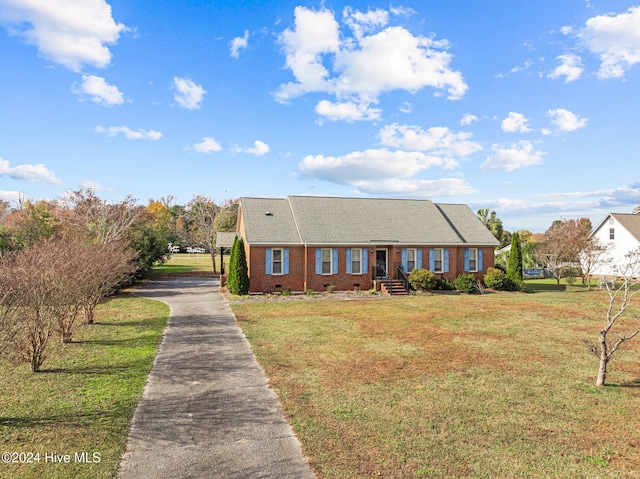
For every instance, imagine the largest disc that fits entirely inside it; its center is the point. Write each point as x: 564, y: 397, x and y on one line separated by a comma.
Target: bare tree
x: 620, y: 298
x: 201, y: 213
x: 107, y: 266
x: 593, y: 255
x: 35, y: 301
x: 89, y: 216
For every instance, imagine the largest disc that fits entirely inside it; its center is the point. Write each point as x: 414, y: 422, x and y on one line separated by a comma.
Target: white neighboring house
x: 621, y: 232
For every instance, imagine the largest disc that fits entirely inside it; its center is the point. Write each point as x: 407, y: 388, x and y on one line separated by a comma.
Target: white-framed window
x: 411, y: 259
x: 356, y: 261
x: 327, y: 261
x: 276, y: 261
x: 473, y: 259
x: 612, y: 233
x: 438, y: 260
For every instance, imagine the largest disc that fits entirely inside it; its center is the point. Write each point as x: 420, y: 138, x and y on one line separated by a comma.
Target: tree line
x: 60, y: 258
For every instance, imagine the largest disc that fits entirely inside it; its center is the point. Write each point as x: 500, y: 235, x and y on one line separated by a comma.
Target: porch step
x: 394, y: 287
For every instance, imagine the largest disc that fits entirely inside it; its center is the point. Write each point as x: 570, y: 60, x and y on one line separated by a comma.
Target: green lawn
x: 188, y: 263
x: 85, y: 396
x: 451, y: 385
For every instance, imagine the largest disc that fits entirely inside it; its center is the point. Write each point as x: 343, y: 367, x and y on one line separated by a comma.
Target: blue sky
x: 531, y: 109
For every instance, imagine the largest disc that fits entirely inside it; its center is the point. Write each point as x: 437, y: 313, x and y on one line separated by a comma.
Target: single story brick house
x: 305, y: 243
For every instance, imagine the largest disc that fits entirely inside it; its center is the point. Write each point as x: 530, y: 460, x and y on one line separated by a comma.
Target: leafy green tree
x: 34, y: 222
x: 492, y: 222
x: 514, y: 268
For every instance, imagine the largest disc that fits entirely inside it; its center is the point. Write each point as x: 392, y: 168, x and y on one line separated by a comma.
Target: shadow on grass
x: 540, y: 288
x: 629, y: 384
x: 73, y: 418
x: 98, y: 370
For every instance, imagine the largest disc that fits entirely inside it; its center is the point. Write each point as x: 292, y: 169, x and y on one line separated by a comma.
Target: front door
x: 381, y: 263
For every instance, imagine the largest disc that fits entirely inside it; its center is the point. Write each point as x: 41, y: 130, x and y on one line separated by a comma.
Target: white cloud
x: 239, y: 43
x: 361, y: 23
x: 28, y: 172
x: 347, y: 111
x: 515, y: 122
x: 11, y: 196
x: 188, y: 94
x: 566, y: 120
x: 537, y: 212
x: 570, y: 68
x: 69, y: 32
x: 207, y: 145
x: 129, y: 134
x: 518, y: 155
x: 357, y: 69
x: 467, y: 119
x: 369, y: 165
x: 439, y: 140
x: 416, y: 188
x: 615, y: 39
x: 93, y: 185
x: 260, y: 148
x: 100, y: 91
x: 406, y: 107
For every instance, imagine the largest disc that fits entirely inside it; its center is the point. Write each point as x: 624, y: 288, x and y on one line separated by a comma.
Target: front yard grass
x: 189, y: 263
x: 85, y: 396
x: 488, y: 386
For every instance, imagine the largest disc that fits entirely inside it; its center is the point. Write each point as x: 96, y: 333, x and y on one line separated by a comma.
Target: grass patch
x: 188, y: 263
x: 85, y: 396
x: 450, y: 385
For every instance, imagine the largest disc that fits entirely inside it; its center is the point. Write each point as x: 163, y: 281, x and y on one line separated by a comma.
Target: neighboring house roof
x: 332, y: 220
x: 630, y: 221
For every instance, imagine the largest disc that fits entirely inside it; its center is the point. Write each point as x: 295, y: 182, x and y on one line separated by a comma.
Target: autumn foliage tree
x: 563, y: 243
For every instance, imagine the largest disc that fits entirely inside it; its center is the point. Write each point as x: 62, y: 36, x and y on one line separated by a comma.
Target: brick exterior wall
x: 302, y: 268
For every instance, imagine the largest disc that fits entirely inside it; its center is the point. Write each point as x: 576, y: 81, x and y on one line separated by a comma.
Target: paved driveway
x: 207, y: 411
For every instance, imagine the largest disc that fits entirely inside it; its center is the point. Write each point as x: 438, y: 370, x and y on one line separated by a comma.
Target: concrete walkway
x: 207, y: 411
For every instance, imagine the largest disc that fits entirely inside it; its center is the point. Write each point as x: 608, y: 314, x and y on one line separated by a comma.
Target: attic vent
x: 268, y: 213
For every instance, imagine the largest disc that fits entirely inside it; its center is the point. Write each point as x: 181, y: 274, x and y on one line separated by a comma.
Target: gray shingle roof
x: 269, y: 220
x: 331, y: 220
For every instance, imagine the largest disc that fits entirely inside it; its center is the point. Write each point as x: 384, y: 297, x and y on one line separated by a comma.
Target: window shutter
x: 466, y: 259
x: 348, y: 260
x: 446, y: 260
x: 404, y: 259
x: 365, y: 260
x: 268, y: 261
x: 432, y: 259
x: 479, y: 259
x: 419, y: 258
x: 335, y: 260
x: 318, y: 261
x: 285, y: 260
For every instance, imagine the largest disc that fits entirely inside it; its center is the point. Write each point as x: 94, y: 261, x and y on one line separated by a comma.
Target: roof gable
x: 630, y: 221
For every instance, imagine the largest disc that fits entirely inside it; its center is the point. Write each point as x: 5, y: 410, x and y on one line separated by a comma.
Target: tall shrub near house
x: 514, y: 267
x: 232, y: 281
x: 238, y: 281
